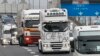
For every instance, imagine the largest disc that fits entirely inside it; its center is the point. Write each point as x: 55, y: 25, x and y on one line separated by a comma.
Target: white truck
x: 54, y: 31
x: 14, y: 33
x: 7, y: 36
x: 87, y: 40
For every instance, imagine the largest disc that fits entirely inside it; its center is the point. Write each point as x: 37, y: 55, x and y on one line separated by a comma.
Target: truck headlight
x: 15, y: 33
x: 45, y: 45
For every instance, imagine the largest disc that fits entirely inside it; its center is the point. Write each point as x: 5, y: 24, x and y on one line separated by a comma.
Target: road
x: 16, y: 50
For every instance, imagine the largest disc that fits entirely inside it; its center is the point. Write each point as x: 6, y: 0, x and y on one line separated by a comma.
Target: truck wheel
x: 39, y: 47
x: 10, y: 42
x: 2, y: 42
x: 41, y: 51
x: 20, y: 41
x: 72, y: 46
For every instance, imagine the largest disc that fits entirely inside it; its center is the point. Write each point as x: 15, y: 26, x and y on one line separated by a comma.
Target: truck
x: 14, y: 34
x: 8, y: 30
x: 6, y: 36
x: 87, y: 40
x: 27, y: 22
x: 54, y: 31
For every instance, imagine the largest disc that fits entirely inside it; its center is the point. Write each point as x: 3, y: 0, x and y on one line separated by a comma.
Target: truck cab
x: 6, y: 35
x: 87, y: 40
x: 54, y: 31
x: 27, y: 22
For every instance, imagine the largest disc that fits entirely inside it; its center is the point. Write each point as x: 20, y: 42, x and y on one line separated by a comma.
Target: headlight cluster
x: 15, y: 33
x: 45, y: 45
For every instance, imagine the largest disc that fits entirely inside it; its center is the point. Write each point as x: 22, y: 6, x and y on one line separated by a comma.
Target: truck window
x: 34, y: 14
x: 7, y: 19
x: 55, y: 26
x: 7, y: 32
x: 30, y: 23
x: 89, y: 33
x: 13, y: 30
x: 88, y: 46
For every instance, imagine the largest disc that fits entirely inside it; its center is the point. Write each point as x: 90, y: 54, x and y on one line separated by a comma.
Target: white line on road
x: 35, y: 55
x: 4, y: 46
x: 25, y: 47
x: 29, y: 50
x: 33, y: 52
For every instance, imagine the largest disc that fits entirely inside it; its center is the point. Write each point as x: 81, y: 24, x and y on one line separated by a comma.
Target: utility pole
x: 5, y: 2
x: 23, y: 1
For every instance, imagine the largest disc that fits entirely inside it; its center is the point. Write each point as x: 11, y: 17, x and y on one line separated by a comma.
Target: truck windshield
x: 89, y: 46
x: 89, y: 33
x: 55, y: 26
x: 31, y: 23
x: 13, y: 30
x: 7, y: 19
x: 6, y: 32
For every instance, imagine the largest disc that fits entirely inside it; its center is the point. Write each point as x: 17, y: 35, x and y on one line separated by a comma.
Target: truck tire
x: 72, y: 46
x: 2, y: 42
x: 39, y: 47
x: 40, y: 50
x: 21, y: 41
x: 11, y: 42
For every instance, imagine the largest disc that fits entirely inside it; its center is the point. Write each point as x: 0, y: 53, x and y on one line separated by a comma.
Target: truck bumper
x: 5, y: 41
x: 55, y: 48
x: 31, y: 39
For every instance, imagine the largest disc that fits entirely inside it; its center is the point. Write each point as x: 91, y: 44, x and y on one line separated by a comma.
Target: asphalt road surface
x: 16, y: 50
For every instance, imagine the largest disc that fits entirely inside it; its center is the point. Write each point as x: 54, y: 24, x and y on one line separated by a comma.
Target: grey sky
x: 11, y: 1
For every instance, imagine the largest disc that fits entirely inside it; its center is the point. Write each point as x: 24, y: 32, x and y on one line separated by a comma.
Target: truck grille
x: 56, y: 45
x: 35, y: 33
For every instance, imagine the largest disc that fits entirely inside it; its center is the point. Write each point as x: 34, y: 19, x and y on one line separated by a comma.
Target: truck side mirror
x: 3, y: 22
x: 39, y: 27
x: 71, y: 26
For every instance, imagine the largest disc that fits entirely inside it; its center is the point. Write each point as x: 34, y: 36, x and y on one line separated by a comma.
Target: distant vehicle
x: 6, y: 35
x: 9, y: 34
x: 27, y: 22
x: 14, y: 33
x: 87, y: 40
x: 54, y: 30
x: 6, y: 19
x: 9, y: 30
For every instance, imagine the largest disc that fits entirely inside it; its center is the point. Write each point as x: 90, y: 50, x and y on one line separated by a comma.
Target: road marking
x: 25, y: 48
x: 35, y: 55
x: 29, y: 50
x: 4, y: 46
x: 33, y: 52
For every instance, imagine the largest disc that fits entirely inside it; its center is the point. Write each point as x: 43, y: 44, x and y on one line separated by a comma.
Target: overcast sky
x: 32, y: 3
x: 17, y: 1
x: 10, y: 1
